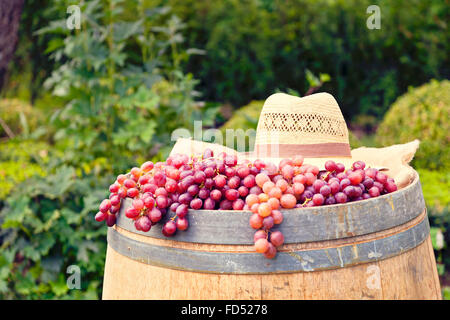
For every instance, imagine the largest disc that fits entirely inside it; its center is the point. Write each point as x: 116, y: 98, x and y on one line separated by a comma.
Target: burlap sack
x: 395, y: 159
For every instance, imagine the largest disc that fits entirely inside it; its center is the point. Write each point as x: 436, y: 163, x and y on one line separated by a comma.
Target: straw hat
x: 312, y: 126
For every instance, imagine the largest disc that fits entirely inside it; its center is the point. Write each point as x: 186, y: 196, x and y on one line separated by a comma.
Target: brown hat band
x: 316, y: 150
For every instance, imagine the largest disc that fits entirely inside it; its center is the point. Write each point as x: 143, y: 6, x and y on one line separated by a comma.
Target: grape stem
x: 326, y: 176
x: 306, y: 201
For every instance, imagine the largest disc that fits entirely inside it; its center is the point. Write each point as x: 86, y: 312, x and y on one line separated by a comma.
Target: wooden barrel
x: 373, y: 249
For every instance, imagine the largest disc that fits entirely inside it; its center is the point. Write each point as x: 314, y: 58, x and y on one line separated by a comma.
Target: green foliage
x: 245, y: 117
x: 446, y: 293
x: 120, y: 104
x: 435, y: 187
x: 20, y: 160
x: 354, y: 141
x: 254, y: 47
x: 124, y: 93
x: 47, y: 226
x: 423, y: 113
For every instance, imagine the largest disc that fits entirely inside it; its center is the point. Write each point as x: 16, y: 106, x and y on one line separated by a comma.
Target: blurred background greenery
x: 78, y: 107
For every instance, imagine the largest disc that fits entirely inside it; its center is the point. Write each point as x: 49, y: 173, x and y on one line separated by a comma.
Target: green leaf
x: 83, y: 249
x: 3, y: 286
x: 446, y: 293
x: 54, y: 44
x: 25, y: 285
x: 324, y: 77
x: 31, y: 253
x: 148, y: 131
x: 312, y: 80
x: 18, y: 209
x: 125, y: 30
x: 59, y: 287
x: 71, y: 216
x: 46, y: 242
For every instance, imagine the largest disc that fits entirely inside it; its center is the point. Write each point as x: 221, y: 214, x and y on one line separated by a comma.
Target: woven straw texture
x: 287, y: 119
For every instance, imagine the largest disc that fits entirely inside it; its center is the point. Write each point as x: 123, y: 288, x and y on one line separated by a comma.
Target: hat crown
x: 311, y: 121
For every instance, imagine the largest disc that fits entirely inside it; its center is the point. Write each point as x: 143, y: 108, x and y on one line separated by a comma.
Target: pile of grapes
x: 220, y: 183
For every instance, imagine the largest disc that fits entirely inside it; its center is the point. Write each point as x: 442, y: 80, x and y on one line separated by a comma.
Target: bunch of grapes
x: 296, y: 185
x: 221, y: 183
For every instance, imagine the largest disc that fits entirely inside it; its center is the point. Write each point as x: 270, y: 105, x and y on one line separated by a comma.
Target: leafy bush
x: 120, y: 104
x: 254, y: 47
x: 120, y: 108
x: 435, y: 187
x: 423, y: 114
x: 47, y: 226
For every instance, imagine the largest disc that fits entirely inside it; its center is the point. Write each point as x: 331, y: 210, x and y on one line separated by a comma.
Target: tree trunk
x: 10, y: 11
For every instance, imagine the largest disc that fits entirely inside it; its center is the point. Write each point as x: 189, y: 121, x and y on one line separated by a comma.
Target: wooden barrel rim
x: 354, y: 251
x: 299, y: 225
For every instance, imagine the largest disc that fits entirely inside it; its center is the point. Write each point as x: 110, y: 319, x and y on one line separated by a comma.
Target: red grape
x: 271, y: 251
x: 288, y: 201
x: 220, y: 181
x: 115, y: 200
x: 129, y: 183
x: 209, y: 204
x: 101, y: 216
x: 132, y: 193
x: 231, y: 194
x: 155, y: 215
x: 105, y: 206
x: 325, y: 190
x: 374, y: 192
x: 238, y: 204
x: 215, y: 194
x: 243, y: 172
x: 196, y: 204
x: 381, y: 177
x: 268, y: 223
x: 260, y: 234
x: 318, y: 199
x: 147, y: 166
x: 182, y: 224
x: 162, y: 202
x: 110, y: 219
x: 340, y: 197
x: 114, y: 188
x: 169, y: 228
x: 277, y: 238
x: 138, y: 204
x: 261, y: 245
x: 144, y: 223
x: 256, y: 221
x: 330, y: 165
x: 249, y: 181
x: 390, y: 187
